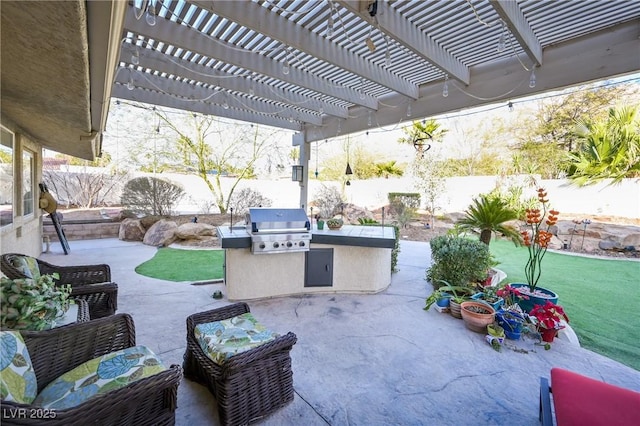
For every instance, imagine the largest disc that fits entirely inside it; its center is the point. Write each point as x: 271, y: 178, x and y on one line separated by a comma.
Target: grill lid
x: 274, y: 219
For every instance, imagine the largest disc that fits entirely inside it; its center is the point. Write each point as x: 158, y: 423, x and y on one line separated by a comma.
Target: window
x: 28, y: 170
x: 6, y: 177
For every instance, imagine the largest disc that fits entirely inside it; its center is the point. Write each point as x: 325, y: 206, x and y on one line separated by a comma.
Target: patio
x: 360, y: 359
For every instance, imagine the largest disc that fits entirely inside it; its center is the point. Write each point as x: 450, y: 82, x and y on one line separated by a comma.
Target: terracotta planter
x: 477, y: 315
x: 455, y: 309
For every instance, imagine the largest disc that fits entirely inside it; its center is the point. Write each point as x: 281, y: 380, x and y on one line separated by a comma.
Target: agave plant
x: 487, y: 215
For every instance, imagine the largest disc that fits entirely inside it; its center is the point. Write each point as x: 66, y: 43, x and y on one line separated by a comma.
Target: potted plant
x: 443, y: 295
x: 510, y: 316
x: 458, y: 261
x: 319, y: 222
x: 548, y: 319
x: 487, y: 215
x: 32, y: 304
x: 536, y: 238
x: 489, y: 295
x: 334, y: 223
x: 477, y: 315
x: 457, y: 299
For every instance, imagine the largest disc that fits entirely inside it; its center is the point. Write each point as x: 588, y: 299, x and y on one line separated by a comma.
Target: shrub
x: 458, y: 261
x: 149, y: 195
x: 328, y: 201
x: 246, y: 198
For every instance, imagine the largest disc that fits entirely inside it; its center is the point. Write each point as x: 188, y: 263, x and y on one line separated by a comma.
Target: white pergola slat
x: 253, y: 16
x: 200, y: 50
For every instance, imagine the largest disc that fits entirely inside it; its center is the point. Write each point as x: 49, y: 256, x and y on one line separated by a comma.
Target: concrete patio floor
x: 360, y: 359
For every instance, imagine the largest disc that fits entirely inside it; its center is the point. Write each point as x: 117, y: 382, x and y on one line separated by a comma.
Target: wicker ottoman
x: 248, y: 385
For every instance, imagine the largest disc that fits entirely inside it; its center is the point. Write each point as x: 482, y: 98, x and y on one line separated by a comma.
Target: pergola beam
x: 198, y: 93
x: 161, y: 99
x: 513, y: 17
x: 256, y: 17
x: 191, y: 40
x: 158, y: 61
x: 406, y: 34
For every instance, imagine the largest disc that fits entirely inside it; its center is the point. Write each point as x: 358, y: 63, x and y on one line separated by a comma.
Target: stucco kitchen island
x: 353, y: 259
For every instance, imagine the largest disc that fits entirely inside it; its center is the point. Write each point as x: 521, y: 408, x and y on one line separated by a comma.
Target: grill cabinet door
x: 319, y: 267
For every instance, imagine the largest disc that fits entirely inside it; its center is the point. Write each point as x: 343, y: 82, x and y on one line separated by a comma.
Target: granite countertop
x: 350, y: 235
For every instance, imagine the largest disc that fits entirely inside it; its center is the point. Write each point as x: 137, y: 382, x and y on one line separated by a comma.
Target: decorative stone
x: 631, y: 240
x: 610, y: 245
x: 131, y: 230
x: 161, y: 234
x: 191, y: 231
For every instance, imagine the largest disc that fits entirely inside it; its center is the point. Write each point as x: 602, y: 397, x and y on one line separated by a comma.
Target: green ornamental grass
x: 600, y: 296
x: 184, y: 265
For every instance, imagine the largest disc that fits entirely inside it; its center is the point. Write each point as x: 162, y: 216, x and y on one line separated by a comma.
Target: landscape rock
x: 631, y: 240
x: 610, y: 245
x: 352, y: 213
x: 148, y: 221
x: 131, y: 230
x: 161, y: 234
x: 189, y: 231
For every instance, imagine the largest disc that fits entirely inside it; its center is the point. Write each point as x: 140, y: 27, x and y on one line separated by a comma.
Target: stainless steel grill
x: 276, y: 230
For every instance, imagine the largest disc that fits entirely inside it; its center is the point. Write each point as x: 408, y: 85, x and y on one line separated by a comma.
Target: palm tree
x: 489, y: 214
x: 610, y: 149
x: 422, y: 133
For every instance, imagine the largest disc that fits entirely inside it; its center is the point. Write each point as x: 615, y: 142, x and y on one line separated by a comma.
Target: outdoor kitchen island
x: 353, y: 259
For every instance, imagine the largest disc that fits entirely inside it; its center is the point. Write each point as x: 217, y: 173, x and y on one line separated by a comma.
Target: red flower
x: 549, y: 315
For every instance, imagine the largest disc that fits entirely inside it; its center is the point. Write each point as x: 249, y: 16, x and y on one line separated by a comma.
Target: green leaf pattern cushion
x: 17, y: 377
x: 220, y: 340
x: 98, y: 376
x: 28, y: 266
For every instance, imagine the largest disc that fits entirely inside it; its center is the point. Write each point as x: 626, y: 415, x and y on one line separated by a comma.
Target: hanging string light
x: 532, y: 79
x: 286, y: 66
x: 501, y: 40
x: 135, y: 57
x: 361, y: 88
x: 151, y: 14
x: 369, y: 120
x: 130, y: 84
x: 409, y: 113
x: 330, y: 23
x: 445, y: 86
x: 510, y: 106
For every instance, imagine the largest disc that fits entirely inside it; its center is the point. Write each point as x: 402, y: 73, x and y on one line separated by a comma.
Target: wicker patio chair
x: 88, y: 282
x: 246, y: 386
x: 149, y: 401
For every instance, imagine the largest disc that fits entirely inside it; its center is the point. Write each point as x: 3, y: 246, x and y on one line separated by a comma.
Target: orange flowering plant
x: 536, y: 237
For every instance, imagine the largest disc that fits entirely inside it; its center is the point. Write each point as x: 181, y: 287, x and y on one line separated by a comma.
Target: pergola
x: 318, y: 67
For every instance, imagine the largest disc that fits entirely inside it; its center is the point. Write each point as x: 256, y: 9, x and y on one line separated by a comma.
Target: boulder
x: 195, y: 231
x: 351, y: 213
x: 161, y: 234
x: 631, y: 240
x: 610, y: 245
x: 148, y: 221
x: 131, y: 230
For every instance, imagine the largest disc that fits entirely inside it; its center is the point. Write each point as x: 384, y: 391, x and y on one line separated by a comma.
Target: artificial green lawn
x: 601, y: 297
x: 184, y: 265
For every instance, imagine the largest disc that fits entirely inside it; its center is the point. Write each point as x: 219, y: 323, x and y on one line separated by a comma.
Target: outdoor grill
x: 276, y: 230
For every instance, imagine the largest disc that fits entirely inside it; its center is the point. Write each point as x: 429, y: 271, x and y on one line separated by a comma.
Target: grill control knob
x: 276, y: 245
x: 262, y: 246
x: 301, y: 243
x: 289, y: 244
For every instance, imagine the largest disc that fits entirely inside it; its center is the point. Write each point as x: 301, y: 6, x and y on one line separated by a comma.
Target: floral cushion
x: 221, y: 340
x: 27, y: 265
x: 17, y: 377
x: 98, y: 376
